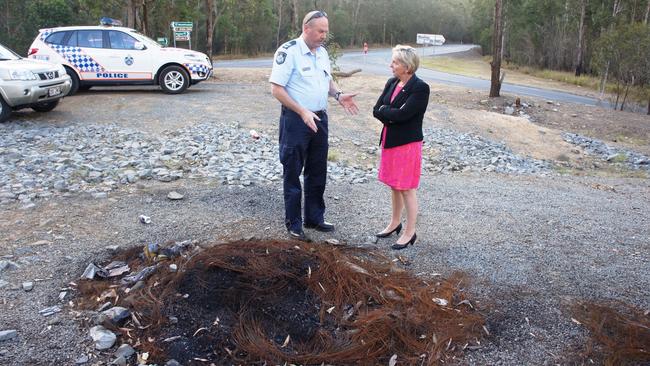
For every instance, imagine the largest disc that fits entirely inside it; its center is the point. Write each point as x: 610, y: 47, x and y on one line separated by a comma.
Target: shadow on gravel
x: 620, y: 337
x: 257, y: 302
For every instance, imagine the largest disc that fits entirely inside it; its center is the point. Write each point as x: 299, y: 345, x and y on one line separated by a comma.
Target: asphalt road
x: 377, y: 61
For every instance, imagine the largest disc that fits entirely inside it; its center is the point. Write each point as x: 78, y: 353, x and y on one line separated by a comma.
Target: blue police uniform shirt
x: 306, y: 76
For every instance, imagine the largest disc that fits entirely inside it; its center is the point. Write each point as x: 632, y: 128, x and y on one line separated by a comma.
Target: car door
x: 128, y: 58
x: 85, y: 51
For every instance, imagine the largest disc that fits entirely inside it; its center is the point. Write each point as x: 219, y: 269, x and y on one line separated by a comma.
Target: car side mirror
x: 139, y: 46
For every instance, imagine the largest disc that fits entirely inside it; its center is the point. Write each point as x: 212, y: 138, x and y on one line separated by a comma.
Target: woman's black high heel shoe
x: 402, y: 246
x: 397, y: 229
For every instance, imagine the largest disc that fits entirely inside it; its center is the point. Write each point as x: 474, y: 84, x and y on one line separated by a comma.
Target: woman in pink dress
x: 401, y: 108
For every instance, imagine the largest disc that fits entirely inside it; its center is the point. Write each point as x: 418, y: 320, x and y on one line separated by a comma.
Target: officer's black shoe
x: 324, y: 226
x: 298, y: 235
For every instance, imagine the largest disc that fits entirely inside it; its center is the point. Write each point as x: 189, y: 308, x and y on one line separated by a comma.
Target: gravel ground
x: 530, y: 245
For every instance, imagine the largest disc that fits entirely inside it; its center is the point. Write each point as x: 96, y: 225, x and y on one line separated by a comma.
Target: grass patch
x: 467, y: 67
x: 479, y: 67
x: 333, y: 156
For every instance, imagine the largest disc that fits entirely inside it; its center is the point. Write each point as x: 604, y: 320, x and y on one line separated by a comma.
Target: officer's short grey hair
x: 407, y: 56
x: 315, y: 14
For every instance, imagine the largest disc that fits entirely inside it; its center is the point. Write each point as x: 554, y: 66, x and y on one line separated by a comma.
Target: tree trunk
x: 355, y: 22
x: 495, y: 85
x: 130, y: 14
x: 647, y: 13
x: 277, y: 35
x: 209, y: 25
x: 648, y: 106
x: 145, y: 21
x: 581, y: 39
x: 296, y: 26
x: 503, y: 38
x: 627, y: 90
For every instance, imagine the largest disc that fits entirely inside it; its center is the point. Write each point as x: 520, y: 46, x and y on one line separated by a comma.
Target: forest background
x: 605, y: 38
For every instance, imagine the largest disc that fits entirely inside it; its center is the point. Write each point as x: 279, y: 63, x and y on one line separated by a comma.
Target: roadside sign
x: 430, y: 39
x: 163, y: 41
x: 182, y: 31
x: 182, y: 36
x: 182, y: 25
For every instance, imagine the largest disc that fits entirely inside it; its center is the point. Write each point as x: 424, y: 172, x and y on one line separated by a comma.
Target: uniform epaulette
x: 289, y: 44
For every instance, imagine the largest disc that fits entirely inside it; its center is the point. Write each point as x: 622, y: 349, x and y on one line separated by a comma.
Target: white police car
x: 114, y: 55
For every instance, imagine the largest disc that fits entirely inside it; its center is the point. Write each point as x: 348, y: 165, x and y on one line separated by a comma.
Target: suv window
x: 121, y: 40
x: 90, y: 38
x: 55, y: 38
x: 72, y: 39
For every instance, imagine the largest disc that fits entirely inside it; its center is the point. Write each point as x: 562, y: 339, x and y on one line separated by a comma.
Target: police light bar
x: 110, y: 22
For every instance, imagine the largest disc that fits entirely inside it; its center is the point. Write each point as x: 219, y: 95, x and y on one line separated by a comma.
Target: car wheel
x: 45, y: 106
x: 74, y: 79
x: 5, y: 110
x: 174, y: 80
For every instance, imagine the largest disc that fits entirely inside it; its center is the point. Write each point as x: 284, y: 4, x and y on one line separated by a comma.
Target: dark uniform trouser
x: 301, y: 147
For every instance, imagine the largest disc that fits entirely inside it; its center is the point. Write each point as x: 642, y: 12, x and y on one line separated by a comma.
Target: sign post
x: 182, y: 31
x: 430, y: 39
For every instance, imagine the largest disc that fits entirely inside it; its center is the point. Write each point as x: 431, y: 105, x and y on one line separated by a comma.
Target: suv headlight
x: 22, y: 75
x: 61, y: 70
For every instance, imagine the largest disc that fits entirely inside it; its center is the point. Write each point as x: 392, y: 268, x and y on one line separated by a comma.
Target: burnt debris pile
x: 256, y: 302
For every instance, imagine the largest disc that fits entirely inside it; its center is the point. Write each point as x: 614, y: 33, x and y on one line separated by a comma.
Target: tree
x: 497, y: 38
x: 209, y: 25
x: 581, y: 39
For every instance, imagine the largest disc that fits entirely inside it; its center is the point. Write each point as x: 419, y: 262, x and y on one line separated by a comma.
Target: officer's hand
x: 348, y: 103
x: 310, y: 119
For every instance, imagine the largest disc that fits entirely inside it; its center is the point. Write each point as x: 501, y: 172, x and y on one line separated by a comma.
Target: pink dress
x: 400, y: 166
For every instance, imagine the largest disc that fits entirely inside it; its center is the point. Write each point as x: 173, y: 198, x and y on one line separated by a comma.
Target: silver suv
x: 26, y: 83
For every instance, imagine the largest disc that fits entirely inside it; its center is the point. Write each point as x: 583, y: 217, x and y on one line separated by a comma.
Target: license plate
x: 54, y: 91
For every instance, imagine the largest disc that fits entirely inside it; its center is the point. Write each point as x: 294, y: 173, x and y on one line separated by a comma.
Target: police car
x: 109, y: 54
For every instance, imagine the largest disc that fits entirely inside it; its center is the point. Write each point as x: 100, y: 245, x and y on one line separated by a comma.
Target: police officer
x: 301, y: 80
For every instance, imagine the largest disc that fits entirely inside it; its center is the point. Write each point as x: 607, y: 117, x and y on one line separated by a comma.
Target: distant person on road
x: 301, y: 80
x: 401, y: 108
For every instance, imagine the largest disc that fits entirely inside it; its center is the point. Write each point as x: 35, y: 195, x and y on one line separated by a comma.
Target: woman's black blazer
x: 402, y: 118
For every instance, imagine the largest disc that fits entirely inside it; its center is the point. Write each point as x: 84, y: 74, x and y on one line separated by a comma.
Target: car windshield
x: 146, y: 40
x: 7, y: 54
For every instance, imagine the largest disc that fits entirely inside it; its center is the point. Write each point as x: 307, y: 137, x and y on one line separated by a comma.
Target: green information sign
x: 182, y: 24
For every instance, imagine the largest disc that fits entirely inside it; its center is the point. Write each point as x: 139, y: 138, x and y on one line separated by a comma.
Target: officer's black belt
x: 320, y: 113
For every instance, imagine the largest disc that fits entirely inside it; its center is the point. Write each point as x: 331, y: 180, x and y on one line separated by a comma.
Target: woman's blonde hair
x: 407, y: 56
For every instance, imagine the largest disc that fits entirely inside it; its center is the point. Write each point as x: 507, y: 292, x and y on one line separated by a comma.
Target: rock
x: 82, y: 360
x: 54, y: 321
x: 173, y: 267
x: 173, y: 195
x: 8, y: 265
x: 120, y: 361
x: 103, y: 338
x: 509, y: 111
x: 332, y: 241
x: 117, y: 314
x: 3, y: 283
x: 51, y: 310
x: 92, y: 270
x: 100, y: 195
x: 125, y: 351
x: 6, y: 335
x: 172, y: 363
x: 28, y: 286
